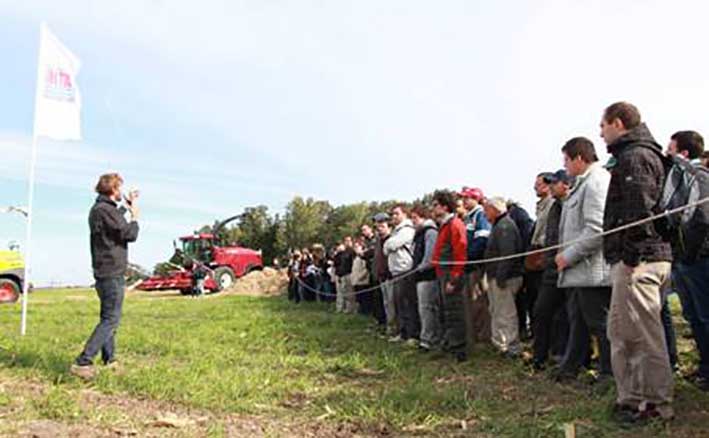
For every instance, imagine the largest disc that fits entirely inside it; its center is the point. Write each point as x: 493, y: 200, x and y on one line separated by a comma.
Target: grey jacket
x: 398, y: 248
x: 582, y: 218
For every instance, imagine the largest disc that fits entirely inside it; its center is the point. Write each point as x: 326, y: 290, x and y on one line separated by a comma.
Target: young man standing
x: 549, y: 306
x: 399, y: 252
x: 583, y: 271
x: 344, y: 258
x: 426, y: 285
x: 504, y: 277
x: 690, y: 269
x: 449, y: 258
x: 110, y: 235
x: 381, y: 268
x: 640, y: 264
x: 534, y: 264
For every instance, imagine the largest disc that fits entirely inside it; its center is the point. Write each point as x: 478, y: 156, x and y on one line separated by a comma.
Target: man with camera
x: 110, y: 235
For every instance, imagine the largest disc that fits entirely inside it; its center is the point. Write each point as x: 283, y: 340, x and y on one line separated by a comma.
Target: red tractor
x: 206, y: 252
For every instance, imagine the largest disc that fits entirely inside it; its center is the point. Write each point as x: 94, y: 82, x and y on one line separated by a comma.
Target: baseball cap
x: 471, y: 192
x: 560, y: 175
x: 381, y: 217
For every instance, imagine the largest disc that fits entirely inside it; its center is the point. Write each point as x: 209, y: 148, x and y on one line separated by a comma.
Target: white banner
x: 58, y: 105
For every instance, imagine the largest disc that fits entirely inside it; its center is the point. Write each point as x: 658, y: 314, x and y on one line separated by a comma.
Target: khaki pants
x: 505, y: 327
x: 638, y: 349
x: 346, y: 302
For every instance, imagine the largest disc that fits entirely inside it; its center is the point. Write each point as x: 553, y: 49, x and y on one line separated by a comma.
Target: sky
x: 209, y: 107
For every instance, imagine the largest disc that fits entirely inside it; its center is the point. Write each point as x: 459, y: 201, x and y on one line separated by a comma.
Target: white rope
x: 522, y: 254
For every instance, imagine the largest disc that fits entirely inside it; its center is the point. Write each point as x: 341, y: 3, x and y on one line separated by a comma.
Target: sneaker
x: 461, y: 357
x: 395, y: 339
x: 412, y: 342
x: 84, y: 372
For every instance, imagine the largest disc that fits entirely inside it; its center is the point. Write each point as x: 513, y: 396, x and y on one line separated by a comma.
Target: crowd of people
x: 464, y: 269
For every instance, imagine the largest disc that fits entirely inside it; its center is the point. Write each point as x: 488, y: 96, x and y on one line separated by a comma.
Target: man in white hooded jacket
x: 399, y: 252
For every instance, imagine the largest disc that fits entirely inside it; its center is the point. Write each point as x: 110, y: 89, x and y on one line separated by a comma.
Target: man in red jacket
x: 449, y: 256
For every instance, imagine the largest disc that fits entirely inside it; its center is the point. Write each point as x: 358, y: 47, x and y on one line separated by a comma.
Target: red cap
x: 472, y: 192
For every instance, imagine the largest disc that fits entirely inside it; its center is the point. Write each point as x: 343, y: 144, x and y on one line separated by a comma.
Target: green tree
x: 303, y: 222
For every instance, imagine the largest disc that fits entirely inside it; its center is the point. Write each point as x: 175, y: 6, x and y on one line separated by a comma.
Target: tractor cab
x: 198, y: 247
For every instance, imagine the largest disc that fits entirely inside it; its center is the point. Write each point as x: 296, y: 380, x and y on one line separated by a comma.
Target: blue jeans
x: 692, y: 283
x: 110, y: 292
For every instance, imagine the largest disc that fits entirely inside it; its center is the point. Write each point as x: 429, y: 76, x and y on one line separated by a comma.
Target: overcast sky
x: 209, y: 107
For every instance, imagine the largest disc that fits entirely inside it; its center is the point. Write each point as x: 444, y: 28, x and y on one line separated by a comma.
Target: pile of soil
x: 267, y: 282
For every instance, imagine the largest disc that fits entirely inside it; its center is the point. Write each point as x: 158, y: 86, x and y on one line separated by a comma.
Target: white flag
x: 58, y: 105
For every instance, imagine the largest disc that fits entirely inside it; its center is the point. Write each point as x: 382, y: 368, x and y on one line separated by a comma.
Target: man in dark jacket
x: 690, y: 246
x: 549, y: 307
x: 504, y: 277
x: 640, y: 265
x: 345, y: 301
x: 372, y: 244
x: 110, y: 235
x: 523, y: 301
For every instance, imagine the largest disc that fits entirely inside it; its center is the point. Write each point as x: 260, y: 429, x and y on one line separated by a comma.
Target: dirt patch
x: 104, y: 415
x: 267, y: 282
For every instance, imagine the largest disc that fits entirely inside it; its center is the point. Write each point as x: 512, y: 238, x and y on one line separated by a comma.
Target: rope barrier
x: 526, y: 253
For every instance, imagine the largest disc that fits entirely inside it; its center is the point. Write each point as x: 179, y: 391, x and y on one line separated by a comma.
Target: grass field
x: 250, y: 366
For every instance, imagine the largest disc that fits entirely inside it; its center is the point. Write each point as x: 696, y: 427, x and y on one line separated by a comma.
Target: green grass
x: 265, y: 356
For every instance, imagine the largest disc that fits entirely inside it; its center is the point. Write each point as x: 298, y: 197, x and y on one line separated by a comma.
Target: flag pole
x: 28, y: 239
x: 30, y: 191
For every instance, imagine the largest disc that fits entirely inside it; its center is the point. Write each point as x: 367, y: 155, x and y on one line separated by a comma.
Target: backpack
x: 685, y: 183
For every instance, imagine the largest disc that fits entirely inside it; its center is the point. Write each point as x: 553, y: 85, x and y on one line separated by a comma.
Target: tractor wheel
x: 9, y: 291
x: 224, y: 277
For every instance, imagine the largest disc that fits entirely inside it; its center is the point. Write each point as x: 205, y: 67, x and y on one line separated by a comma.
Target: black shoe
x: 538, y: 366
x: 623, y: 414
x: 701, y: 383
x: 461, y: 357
x: 649, y: 415
x: 563, y: 376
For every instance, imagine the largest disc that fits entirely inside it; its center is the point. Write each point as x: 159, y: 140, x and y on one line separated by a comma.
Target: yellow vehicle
x: 12, y: 274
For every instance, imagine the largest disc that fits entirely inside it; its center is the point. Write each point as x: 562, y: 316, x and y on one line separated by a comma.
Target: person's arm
x: 117, y: 226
